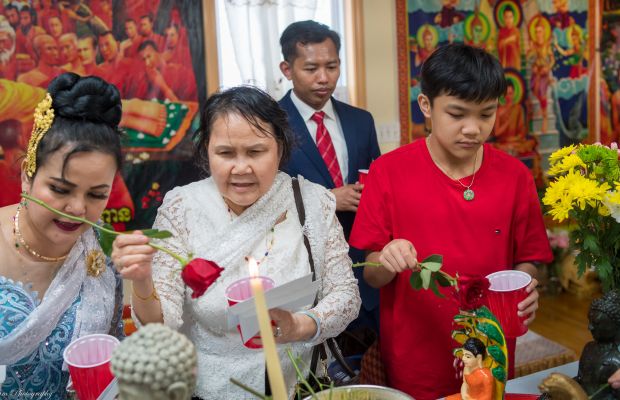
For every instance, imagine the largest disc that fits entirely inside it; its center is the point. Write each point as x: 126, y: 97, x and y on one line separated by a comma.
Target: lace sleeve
x: 167, y: 270
x: 341, y: 300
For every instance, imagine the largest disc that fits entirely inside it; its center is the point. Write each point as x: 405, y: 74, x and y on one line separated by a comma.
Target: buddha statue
x: 155, y: 363
x: 601, y: 357
x: 478, y: 381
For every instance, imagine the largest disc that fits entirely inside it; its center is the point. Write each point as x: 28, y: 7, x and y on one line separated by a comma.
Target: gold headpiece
x: 43, y: 119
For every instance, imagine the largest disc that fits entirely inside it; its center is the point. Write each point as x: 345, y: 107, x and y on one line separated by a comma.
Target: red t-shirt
x: 407, y: 196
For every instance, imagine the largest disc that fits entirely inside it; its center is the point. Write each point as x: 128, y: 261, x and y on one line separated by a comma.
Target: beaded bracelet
x: 152, y: 295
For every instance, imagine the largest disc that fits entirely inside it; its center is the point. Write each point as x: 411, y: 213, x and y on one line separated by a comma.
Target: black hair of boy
x: 462, y: 71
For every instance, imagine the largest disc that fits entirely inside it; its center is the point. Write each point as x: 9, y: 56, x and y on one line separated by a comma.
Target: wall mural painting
x: 610, y: 79
x: 152, y: 50
x: 543, y: 46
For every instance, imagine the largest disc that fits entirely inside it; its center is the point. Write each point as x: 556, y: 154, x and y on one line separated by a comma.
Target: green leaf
x: 156, y: 234
x: 484, y: 312
x: 416, y: 280
x: 106, y: 239
x: 499, y: 373
x: 433, y: 266
x: 590, y: 242
x: 443, y: 281
x: 433, y: 258
x: 426, y: 278
x: 497, y: 354
x: 491, y: 332
x: 433, y: 287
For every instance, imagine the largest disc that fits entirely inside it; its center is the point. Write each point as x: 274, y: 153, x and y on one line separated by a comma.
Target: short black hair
x: 147, y: 43
x: 256, y: 107
x: 463, y: 71
x: 147, y: 16
x: 476, y: 347
x: 305, y: 32
x: 130, y: 20
x: 87, y: 111
x: 106, y: 33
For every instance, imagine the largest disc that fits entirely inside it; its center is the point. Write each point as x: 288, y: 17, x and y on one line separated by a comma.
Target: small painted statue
x: 601, y: 357
x: 155, y: 363
x: 478, y: 381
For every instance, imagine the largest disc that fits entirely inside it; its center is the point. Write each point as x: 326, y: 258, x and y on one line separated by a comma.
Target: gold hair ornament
x: 43, y: 120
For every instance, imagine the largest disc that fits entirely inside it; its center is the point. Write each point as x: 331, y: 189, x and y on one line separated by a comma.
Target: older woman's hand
x: 292, y: 327
x: 132, y: 256
x: 399, y: 255
x: 529, y: 306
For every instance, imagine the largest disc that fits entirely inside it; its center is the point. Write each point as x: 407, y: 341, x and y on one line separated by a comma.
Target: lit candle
x: 276, y: 379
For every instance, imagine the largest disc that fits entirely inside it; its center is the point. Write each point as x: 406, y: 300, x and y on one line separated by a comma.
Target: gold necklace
x: 21, y: 242
x: 468, y: 194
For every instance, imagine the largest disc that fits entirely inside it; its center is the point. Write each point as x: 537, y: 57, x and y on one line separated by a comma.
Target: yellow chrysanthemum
x: 567, y: 163
x: 573, y: 191
x: 561, y: 153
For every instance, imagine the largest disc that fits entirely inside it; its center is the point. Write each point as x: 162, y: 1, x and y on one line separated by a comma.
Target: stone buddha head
x: 604, y: 318
x: 155, y: 363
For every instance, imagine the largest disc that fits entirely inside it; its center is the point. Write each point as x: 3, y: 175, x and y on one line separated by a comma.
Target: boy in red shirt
x: 448, y: 194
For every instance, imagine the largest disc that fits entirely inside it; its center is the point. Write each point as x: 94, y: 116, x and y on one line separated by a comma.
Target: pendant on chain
x: 468, y: 194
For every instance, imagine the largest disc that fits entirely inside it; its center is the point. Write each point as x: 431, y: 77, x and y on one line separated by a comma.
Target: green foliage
x: 497, y: 354
x: 106, y: 239
x: 499, y: 373
x: 491, y: 332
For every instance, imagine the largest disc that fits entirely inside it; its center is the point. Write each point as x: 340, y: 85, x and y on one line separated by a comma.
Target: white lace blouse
x: 202, y: 225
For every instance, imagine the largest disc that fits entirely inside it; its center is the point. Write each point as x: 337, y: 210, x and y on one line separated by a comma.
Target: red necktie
x: 326, y: 148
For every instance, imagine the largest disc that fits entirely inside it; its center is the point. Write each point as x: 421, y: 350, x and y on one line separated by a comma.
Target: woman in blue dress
x: 55, y: 283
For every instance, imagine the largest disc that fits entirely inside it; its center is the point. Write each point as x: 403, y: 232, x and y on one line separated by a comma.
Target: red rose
x: 472, y: 291
x: 199, y: 274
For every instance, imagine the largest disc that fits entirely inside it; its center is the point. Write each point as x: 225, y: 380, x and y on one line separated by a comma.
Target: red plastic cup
x: 361, y: 175
x: 241, y: 290
x: 506, y: 292
x: 88, y: 359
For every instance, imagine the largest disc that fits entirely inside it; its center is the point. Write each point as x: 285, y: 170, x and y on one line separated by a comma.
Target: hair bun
x: 85, y: 98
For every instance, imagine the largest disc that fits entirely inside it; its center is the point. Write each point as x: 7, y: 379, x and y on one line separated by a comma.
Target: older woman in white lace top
x: 246, y: 208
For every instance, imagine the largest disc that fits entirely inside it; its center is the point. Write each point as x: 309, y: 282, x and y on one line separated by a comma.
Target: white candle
x: 276, y: 379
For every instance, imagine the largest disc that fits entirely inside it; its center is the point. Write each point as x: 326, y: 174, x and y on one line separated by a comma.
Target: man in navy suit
x: 334, y: 139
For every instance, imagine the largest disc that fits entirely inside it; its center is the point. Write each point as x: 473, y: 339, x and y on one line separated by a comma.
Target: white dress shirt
x: 332, y: 123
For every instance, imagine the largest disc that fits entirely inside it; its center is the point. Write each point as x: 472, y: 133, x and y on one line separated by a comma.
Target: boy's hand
x: 529, y: 306
x: 399, y: 255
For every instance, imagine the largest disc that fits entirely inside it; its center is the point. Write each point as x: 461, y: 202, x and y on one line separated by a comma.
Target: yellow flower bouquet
x: 585, y: 188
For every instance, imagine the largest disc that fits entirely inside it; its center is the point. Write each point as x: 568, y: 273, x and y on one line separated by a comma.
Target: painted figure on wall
x: 510, y: 129
x: 448, y: 15
x: 41, y: 39
x: 427, y: 45
x: 509, y: 37
x: 477, y: 30
x: 541, y: 57
x: 610, y: 107
x: 575, y: 53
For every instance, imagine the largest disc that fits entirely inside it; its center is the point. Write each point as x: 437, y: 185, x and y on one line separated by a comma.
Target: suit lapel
x: 348, y: 130
x: 306, y: 144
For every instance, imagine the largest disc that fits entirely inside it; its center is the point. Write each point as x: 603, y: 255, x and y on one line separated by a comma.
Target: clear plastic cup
x: 506, y: 292
x: 241, y: 290
x: 88, y: 359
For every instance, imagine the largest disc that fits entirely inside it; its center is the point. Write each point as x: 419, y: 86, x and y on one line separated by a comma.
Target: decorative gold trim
x: 210, y: 40
x: 43, y: 120
x: 95, y: 263
x: 356, y: 66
